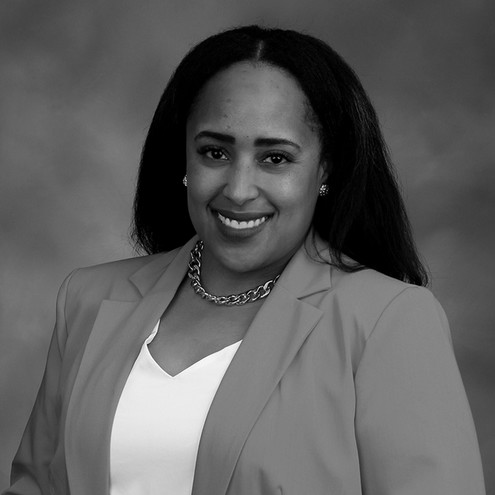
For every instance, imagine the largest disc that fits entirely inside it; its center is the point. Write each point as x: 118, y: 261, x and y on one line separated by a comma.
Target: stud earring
x: 184, y: 180
x: 324, y: 190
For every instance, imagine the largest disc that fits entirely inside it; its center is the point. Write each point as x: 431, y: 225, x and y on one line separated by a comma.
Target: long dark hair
x: 363, y: 216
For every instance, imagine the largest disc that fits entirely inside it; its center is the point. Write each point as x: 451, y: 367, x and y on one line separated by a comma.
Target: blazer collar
x: 164, y: 271
x: 308, y: 271
x: 303, y: 276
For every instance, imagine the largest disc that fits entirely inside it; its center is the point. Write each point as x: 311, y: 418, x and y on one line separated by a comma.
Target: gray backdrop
x: 79, y: 83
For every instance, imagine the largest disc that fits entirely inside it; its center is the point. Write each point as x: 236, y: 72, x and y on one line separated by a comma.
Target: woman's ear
x: 323, y: 172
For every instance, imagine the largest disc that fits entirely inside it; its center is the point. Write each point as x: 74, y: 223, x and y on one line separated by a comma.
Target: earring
x: 184, y: 180
x: 324, y: 190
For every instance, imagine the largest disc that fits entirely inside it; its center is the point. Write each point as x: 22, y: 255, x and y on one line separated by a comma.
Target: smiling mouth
x: 235, y: 224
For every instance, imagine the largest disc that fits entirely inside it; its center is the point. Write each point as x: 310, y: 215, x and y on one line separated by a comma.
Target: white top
x: 158, y: 423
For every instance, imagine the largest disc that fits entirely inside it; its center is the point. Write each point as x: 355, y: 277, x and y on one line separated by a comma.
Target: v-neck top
x: 158, y: 423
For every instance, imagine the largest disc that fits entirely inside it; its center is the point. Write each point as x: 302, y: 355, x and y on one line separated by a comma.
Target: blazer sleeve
x: 30, y: 468
x: 414, y: 428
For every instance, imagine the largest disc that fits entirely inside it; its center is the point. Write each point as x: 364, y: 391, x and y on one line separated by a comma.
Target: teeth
x: 230, y: 222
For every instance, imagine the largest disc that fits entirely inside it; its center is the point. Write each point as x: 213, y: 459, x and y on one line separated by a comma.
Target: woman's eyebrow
x: 227, y: 138
x: 275, y: 142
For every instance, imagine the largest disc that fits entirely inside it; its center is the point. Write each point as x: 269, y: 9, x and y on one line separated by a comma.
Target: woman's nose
x: 241, y: 184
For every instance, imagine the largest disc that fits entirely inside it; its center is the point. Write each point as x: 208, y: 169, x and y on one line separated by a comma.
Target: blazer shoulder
x: 114, y: 279
x: 367, y: 293
x: 361, y: 282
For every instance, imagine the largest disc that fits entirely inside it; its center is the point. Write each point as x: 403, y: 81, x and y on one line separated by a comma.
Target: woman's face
x: 253, y: 168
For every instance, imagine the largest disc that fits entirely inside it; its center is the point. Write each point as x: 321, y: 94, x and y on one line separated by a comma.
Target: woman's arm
x: 414, y: 427
x: 30, y: 468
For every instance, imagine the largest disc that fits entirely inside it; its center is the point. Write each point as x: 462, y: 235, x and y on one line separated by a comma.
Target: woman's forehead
x: 249, y: 96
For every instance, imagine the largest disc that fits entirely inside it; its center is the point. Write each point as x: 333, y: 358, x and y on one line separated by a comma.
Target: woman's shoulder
x: 367, y: 294
x: 115, y: 278
x: 124, y: 267
x: 367, y: 282
x: 362, y: 287
x: 364, y: 294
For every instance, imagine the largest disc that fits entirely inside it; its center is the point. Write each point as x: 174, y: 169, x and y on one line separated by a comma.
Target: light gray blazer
x: 344, y: 384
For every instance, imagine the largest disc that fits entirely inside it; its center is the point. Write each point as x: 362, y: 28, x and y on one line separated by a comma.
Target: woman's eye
x: 276, y: 159
x: 213, y: 153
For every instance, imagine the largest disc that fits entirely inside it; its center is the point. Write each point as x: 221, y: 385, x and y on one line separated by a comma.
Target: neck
x: 219, y: 280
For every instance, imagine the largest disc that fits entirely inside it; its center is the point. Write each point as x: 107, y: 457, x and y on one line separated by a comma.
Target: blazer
x: 345, y: 383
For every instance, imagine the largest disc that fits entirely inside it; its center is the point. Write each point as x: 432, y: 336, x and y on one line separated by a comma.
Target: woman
x: 287, y: 346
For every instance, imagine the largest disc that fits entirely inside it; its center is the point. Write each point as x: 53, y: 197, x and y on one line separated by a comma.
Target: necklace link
x: 251, y: 295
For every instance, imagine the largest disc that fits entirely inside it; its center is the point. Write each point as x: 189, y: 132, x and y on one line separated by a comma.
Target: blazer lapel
x: 113, y: 345
x: 269, y: 346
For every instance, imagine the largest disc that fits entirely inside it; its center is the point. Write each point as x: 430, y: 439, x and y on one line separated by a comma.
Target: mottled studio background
x: 79, y: 81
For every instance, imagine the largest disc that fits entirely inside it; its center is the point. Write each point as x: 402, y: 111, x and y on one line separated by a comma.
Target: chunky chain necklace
x: 251, y: 295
